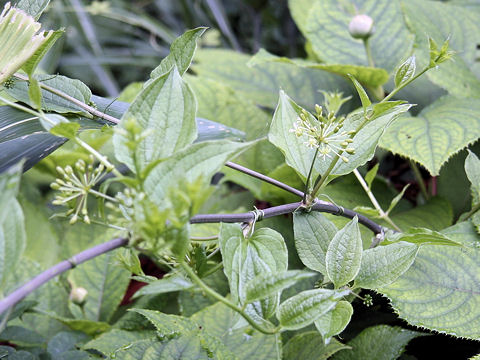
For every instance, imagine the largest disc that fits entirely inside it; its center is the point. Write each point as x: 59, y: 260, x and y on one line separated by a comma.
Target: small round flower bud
x: 350, y: 151
x: 60, y: 170
x: 86, y: 219
x: 361, y: 27
x: 55, y: 186
x: 344, y: 159
x: 73, y: 219
x: 78, y: 295
x: 318, y: 109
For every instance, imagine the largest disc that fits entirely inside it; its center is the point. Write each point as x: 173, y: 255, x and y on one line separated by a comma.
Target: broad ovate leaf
x: 438, y: 132
x: 381, y: 342
x: 441, y: 290
x: 327, y: 30
x: 334, y: 321
x: 304, y: 308
x: 344, y: 254
x: 313, y: 232
x: 406, y: 71
x: 164, y: 118
x: 384, y: 264
x: 310, y: 345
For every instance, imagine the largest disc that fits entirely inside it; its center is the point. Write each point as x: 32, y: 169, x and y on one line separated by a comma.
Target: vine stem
x: 383, y: 215
x: 80, y: 104
x: 225, y: 301
x: 24, y: 290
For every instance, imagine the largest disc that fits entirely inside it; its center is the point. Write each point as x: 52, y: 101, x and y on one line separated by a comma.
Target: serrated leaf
x: 166, y: 324
x: 437, y: 19
x: 405, y: 71
x: 110, y: 342
x: 384, y: 264
x: 166, y: 107
x: 261, y: 83
x: 344, y: 254
x: 221, y: 322
x: 361, y: 93
x: 366, y: 75
x: 304, y: 308
x: 327, y: 30
x: 440, y: 291
x: 264, y: 285
x: 200, y: 160
x: 472, y: 169
x: 181, y: 53
x: 105, y: 282
x: 371, y: 174
x: 381, y: 342
x: 334, y: 321
x: 65, y: 341
x: 51, y: 102
x: 89, y: 327
x: 438, y: 132
x: 310, y: 345
x: 313, y: 232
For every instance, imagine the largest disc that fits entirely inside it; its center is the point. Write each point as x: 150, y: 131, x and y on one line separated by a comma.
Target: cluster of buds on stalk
x: 75, y: 184
x: 324, y: 133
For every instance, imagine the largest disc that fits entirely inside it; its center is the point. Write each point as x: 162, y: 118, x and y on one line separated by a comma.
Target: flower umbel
x: 75, y: 185
x: 19, y: 39
x: 324, y: 132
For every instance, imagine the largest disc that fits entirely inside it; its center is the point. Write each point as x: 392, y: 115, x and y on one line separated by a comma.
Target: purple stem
x: 61, y: 267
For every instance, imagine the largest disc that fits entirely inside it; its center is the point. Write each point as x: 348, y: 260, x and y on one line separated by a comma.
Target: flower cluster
x: 324, y: 133
x: 75, y: 185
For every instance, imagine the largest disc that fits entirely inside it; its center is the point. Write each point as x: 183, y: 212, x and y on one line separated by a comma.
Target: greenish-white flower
x: 20, y: 38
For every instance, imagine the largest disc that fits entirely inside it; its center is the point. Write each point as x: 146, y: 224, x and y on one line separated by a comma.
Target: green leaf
x: 366, y: 75
x: 361, y: 93
x: 313, y: 233
x: 51, y: 102
x: 264, y: 285
x: 298, y: 10
x: 181, y: 53
x: 165, y: 285
x: 12, y: 237
x: 261, y: 83
x: 166, y: 107
x: 405, y: 71
x: 371, y: 174
x: 297, y: 154
x: 9, y: 185
x: 35, y: 93
x: 89, y: 327
x: 32, y: 63
x: 327, y: 30
x: 303, y: 309
x: 344, y: 254
x: 436, y: 214
x: 114, y: 341
x: 221, y: 322
x: 264, y: 252
x: 421, y: 236
x: 381, y: 342
x: 66, y: 129
x: 200, y: 160
x: 384, y: 264
x: 472, y: 169
x: 105, y: 282
x: 438, y: 19
x: 334, y: 321
x: 33, y: 8
x: 310, y: 345
x: 396, y: 199
x: 63, y: 342
x: 438, y: 132
x: 440, y: 291
x: 166, y: 324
